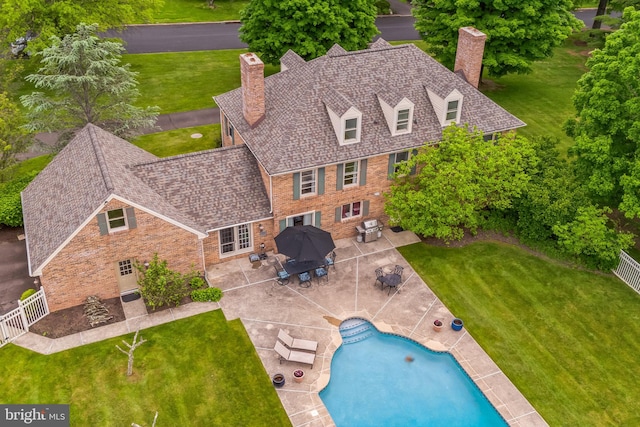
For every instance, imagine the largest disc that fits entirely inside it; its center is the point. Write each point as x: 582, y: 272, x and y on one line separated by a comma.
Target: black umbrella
x: 305, y: 243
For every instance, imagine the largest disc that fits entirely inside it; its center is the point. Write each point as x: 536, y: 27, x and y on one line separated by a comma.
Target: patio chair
x: 379, y: 277
x: 305, y: 279
x: 398, y: 270
x: 322, y: 271
x: 331, y: 260
x: 297, y: 344
x: 293, y: 355
x: 283, y: 276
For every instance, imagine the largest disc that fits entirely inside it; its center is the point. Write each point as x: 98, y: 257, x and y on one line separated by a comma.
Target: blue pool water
x: 372, y: 384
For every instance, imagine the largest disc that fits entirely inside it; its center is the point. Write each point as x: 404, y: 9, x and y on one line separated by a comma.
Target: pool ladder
x: 354, y: 330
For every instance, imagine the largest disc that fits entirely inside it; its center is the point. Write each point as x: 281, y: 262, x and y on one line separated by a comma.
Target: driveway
x: 264, y: 307
x: 14, y: 271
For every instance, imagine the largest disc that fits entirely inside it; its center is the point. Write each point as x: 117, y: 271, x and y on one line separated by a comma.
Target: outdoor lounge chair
x: 294, y: 356
x: 297, y: 344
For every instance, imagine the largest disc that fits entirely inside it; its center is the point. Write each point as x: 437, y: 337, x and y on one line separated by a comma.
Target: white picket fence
x: 628, y: 271
x: 17, y: 321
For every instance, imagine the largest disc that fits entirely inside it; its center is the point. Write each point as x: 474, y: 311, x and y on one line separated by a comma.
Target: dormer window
x: 351, y: 130
x: 452, y: 110
x: 402, y: 121
x: 398, y: 112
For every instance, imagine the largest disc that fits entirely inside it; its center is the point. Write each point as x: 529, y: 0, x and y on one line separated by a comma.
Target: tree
x: 57, y: 18
x: 160, y: 285
x: 518, y: 32
x: 605, y: 7
x: 132, y: 347
x: 607, y: 127
x: 458, y: 179
x: 14, y: 138
x: 308, y: 27
x: 85, y: 83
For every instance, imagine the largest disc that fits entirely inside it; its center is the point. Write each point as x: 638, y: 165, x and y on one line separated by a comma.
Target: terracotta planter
x: 298, y: 375
x: 437, y: 325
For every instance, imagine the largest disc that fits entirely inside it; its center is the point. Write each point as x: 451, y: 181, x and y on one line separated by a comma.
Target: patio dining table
x: 301, y: 267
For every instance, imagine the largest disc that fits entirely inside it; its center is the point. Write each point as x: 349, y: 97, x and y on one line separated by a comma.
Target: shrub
x: 10, y: 203
x: 197, y: 283
x: 160, y: 285
x: 26, y: 294
x: 209, y: 294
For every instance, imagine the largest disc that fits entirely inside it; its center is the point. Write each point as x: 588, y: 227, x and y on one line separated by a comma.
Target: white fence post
x: 17, y: 321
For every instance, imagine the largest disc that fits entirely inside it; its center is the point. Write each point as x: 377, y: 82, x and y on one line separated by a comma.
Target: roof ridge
x: 102, y: 162
x: 369, y: 50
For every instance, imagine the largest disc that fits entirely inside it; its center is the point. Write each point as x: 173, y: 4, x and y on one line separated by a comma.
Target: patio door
x: 127, y: 276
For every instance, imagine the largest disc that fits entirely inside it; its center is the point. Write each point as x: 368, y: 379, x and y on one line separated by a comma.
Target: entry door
x: 127, y: 276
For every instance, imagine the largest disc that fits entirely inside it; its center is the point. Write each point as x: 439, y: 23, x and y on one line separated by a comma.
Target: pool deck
x: 264, y: 307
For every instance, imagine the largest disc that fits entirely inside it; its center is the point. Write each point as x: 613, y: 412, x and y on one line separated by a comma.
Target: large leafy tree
x: 47, y: 18
x: 14, y: 138
x: 308, y: 27
x: 457, y: 181
x: 85, y: 83
x: 518, y: 32
x: 607, y: 127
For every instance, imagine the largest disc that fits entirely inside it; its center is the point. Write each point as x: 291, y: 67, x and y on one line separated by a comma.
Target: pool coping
x: 264, y: 307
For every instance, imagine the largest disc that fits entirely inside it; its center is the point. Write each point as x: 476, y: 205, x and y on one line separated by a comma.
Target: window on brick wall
x: 308, y: 182
x: 351, y: 209
x: 229, y: 130
x: 234, y: 240
x: 116, y: 220
x: 301, y: 219
x: 350, y: 172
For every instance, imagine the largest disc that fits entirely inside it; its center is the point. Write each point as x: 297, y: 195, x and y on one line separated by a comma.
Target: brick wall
x: 377, y: 183
x: 212, y: 246
x: 87, y: 265
x: 252, y: 78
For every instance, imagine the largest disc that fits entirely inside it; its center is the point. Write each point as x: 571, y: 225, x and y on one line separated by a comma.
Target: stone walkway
x: 264, y: 307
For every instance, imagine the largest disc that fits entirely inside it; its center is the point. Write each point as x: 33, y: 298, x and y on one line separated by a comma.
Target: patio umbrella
x: 305, y: 243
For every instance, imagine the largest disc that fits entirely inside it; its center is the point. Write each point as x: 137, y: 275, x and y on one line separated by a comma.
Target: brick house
x: 313, y: 144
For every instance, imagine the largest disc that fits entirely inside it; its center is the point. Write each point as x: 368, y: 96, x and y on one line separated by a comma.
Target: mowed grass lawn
x: 567, y: 338
x: 199, y: 371
x: 199, y: 11
x: 542, y: 99
x: 186, y: 81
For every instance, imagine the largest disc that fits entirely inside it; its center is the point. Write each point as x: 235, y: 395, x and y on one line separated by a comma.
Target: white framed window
x: 116, y: 220
x: 350, y: 174
x: 402, y: 121
x: 307, y: 218
x: 351, y: 210
x: 308, y: 182
x: 400, y: 157
x: 125, y: 267
x: 351, y: 129
x: 452, y: 110
x: 235, y: 240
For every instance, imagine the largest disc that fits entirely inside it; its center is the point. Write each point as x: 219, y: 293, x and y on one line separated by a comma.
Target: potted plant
x: 457, y: 324
x: 278, y: 380
x: 298, y: 375
x: 437, y: 325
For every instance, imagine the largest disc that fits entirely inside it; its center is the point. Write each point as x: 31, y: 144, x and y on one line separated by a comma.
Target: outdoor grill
x: 369, y: 230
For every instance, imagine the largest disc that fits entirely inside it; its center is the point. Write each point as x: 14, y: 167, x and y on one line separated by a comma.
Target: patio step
x: 354, y: 330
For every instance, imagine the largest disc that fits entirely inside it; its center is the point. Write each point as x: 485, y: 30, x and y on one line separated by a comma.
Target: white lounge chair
x: 294, y: 356
x: 297, y: 344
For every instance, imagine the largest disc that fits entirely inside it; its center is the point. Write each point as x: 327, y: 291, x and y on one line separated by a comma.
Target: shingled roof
x: 96, y: 166
x: 297, y: 132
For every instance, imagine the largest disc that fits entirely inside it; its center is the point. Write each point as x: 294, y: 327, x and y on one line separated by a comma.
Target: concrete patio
x: 264, y: 306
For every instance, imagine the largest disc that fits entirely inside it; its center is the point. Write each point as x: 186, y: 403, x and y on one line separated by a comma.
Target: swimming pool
x: 380, y: 379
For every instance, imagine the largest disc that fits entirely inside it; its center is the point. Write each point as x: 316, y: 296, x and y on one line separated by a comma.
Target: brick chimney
x: 469, y: 54
x: 252, y: 76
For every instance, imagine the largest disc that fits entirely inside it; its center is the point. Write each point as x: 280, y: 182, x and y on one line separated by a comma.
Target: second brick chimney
x: 252, y: 77
x: 469, y: 54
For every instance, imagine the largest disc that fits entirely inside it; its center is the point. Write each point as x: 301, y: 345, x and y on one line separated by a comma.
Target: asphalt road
x: 216, y: 35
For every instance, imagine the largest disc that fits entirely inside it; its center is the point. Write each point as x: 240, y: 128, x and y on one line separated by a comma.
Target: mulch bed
x: 72, y: 320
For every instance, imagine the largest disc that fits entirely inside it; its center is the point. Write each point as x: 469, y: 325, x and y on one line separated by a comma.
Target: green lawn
x: 199, y: 371
x: 199, y: 11
x: 542, y: 99
x: 186, y: 81
x: 179, y: 141
x: 567, y: 338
